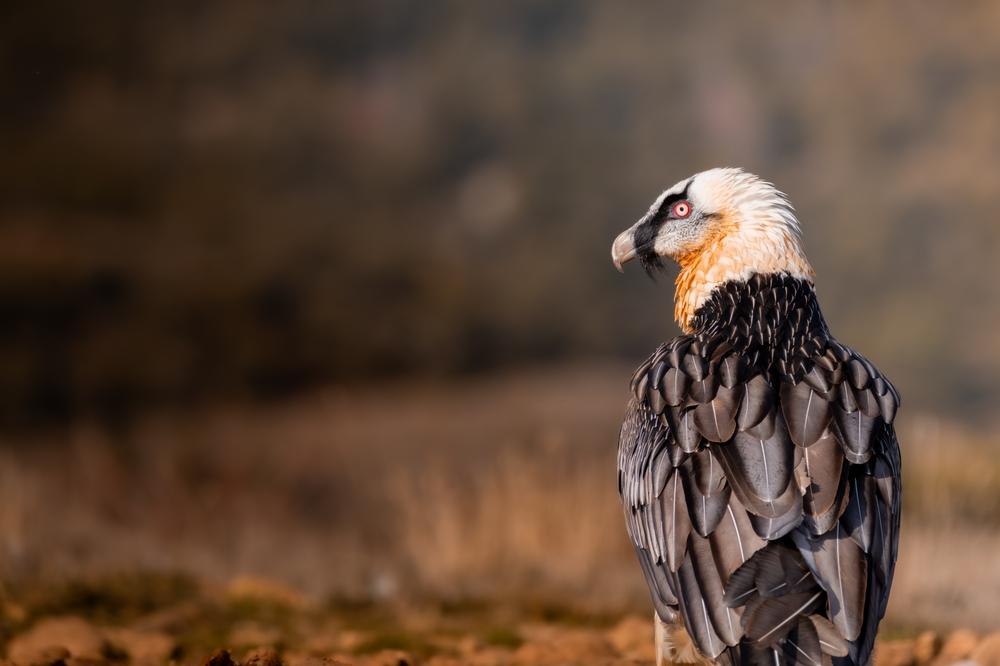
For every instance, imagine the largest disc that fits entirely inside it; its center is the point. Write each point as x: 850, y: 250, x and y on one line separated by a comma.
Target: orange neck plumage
x: 735, y: 252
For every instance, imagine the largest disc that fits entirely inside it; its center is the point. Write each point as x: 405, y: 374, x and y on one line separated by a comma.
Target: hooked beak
x: 623, y: 249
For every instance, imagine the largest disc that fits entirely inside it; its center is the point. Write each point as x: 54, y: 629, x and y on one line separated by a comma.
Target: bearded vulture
x: 757, y: 464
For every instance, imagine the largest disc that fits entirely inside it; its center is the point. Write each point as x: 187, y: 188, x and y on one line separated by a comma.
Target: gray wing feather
x: 724, y: 476
x: 725, y: 620
x: 706, y: 491
x: 676, y: 522
x: 696, y: 611
x: 841, y: 568
x: 885, y: 537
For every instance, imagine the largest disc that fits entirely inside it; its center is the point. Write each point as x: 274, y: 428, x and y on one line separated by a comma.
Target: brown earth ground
x: 255, y: 622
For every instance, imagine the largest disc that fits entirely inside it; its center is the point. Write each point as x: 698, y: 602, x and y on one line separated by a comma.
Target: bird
x: 758, y: 465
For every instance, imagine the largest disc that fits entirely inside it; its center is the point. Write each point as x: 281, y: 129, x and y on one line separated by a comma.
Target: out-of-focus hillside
x: 230, y: 199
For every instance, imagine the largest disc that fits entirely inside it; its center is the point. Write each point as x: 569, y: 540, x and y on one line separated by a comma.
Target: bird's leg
x: 674, y: 645
x: 661, y: 635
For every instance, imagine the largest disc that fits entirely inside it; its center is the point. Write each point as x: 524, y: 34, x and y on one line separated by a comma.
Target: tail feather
x: 780, y: 598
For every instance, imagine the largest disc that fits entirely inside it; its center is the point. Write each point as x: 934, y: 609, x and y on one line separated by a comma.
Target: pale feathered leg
x: 673, y: 645
x: 660, y: 633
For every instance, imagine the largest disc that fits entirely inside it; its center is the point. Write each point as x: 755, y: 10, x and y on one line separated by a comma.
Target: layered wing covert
x: 740, y: 464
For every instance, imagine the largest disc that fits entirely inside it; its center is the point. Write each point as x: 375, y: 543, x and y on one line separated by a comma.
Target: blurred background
x: 320, y: 292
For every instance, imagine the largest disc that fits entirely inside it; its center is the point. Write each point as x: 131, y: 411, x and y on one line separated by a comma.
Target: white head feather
x: 738, y: 225
x: 758, y: 232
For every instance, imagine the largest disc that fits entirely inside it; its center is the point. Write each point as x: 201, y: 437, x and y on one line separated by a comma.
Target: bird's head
x: 719, y: 225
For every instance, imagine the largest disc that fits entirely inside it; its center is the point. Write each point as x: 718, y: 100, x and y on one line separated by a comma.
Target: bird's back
x: 759, y: 473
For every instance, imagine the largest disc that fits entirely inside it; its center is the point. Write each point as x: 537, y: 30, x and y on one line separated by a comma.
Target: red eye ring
x: 681, y: 209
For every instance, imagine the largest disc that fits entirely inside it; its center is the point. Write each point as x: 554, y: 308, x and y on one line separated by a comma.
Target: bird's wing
x: 763, y: 510
x: 883, y: 513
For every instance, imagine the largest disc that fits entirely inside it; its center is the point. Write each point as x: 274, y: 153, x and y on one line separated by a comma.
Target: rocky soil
x: 74, y: 641
x: 259, y: 623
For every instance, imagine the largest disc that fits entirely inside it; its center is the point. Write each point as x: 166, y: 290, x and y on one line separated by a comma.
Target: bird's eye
x: 681, y: 209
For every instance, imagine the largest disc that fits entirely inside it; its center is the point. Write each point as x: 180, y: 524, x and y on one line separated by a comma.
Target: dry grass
x: 948, y: 572
x: 499, y: 489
